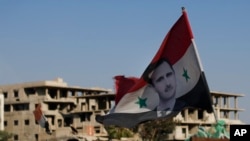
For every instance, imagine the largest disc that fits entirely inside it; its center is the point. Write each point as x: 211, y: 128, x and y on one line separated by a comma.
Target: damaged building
x: 71, y: 111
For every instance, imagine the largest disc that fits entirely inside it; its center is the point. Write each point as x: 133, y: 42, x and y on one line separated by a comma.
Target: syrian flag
x: 40, y: 118
x: 140, y: 99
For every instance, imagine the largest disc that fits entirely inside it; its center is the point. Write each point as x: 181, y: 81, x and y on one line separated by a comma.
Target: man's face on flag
x: 163, y: 80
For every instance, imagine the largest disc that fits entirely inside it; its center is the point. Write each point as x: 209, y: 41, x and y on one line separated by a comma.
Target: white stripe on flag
x: 128, y: 103
x: 189, y: 63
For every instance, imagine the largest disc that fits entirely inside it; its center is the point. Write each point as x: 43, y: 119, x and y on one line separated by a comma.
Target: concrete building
x: 69, y: 108
x: 225, y: 107
x: 1, y: 112
x: 65, y: 108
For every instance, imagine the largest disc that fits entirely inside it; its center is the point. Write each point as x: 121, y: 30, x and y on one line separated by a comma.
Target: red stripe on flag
x: 173, y: 47
x: 176, y: 41
x: 123, y: 85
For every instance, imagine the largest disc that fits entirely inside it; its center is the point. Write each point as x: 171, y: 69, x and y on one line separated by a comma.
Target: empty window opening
x: 21, y: 107
x: 15, y: 93
x: 29, y: 91
x: 67, y: 121
x: 5, y: 123
x: 52, y: 93
x: 15, y: 122
x: 26, y: 122
x: 5, y: 94
x: 6, y: 108
x: 15, y: 137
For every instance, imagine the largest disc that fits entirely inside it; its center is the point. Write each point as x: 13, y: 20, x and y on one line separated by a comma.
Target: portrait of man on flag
x: 163, y: 80
x: 173, y: 80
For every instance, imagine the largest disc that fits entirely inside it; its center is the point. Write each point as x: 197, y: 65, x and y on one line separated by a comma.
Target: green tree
x: 155, y: 130
x: 4, y: 135
x: 115, y: 132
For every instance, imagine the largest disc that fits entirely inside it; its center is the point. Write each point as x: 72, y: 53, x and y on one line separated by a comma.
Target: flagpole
x: 205, y: 81
x: 203, y: 74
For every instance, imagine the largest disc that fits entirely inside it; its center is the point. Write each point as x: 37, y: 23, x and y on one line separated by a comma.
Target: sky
x: 87, y: 43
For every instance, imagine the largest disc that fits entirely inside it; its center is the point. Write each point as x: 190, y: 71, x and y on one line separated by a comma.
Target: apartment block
x: 1, y: 112
x: 71, y: 111
x: 66, y: 109
x: 225, y: 108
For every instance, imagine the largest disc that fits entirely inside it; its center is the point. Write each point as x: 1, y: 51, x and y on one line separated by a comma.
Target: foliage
x: 153, y: 130
x: 4, y: 135
x: 115, y: 132
x: 156, y: 129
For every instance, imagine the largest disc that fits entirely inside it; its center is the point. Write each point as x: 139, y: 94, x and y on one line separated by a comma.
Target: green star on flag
x: 185, y: 74
x: 142, y: 102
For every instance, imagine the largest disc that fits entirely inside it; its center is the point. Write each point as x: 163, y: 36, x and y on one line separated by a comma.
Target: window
x: 5, y: 94
x: 21, y: 107
x: 102, y: 104
x: 15, y: 93
x: 59, y: 122
x: 93, y: 107
x: 15, y: 122
x: 216, y: 101
x: 200, y: 114
x: 5, y: 123
x: 79, y: 93
x: 68, y: 121
x: 29, y: 91
x: 6, y: 108
x: 52, y: 106
x: 15, y: 137
x: 190, y: 111
x: 26, y: 122
x: 70, y: 93
x: 225, y: 102
x: 63, y: 93
x: 36, y: 136
x: 97, y: 129
x: 226, y: 114
x: 184, y: 130
x: 52, y: 93
x: 40, y: 91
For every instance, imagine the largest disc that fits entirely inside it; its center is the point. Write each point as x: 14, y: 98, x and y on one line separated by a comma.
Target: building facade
x: 225, y: 108
x: 71, y: 111
x: 66, y: 108
x: 1, y: 112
